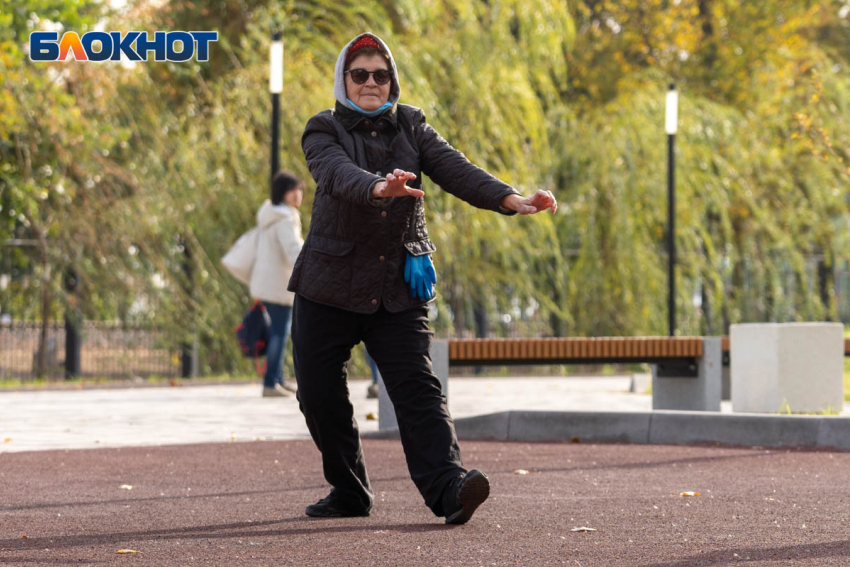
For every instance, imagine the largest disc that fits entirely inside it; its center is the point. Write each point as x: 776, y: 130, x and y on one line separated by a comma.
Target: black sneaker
x: 330, y: 507
x: 467, y: 494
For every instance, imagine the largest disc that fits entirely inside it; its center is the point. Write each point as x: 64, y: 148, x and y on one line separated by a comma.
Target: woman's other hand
x: 540, y: 201
x: 395, y: 186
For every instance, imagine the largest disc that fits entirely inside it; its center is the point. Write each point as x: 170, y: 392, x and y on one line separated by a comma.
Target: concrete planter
x: 797, y: 367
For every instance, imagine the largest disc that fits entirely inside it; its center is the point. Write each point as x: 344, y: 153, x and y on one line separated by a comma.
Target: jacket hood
x: 339, y: 70
x: 270, y: 214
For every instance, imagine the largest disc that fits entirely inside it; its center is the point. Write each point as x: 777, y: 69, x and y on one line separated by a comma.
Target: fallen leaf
x: 575, y: 440
x: 521, y: 472
x: 690, y: 494
x: 122, y: 551
x: 371, y: 416
x: 6, y: 549
x: 584, y: 529
x: 7, y: 440
x: 127, y: 486
x: 25, y: 537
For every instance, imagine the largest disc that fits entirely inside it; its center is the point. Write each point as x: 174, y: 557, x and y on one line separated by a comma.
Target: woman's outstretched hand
x: 395, y: 186
x: 538, y: 202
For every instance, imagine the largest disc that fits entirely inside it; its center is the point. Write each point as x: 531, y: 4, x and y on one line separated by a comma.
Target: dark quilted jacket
x: 354, y: 254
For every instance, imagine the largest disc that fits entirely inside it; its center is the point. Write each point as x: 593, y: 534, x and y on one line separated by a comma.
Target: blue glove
x: 420, y: 275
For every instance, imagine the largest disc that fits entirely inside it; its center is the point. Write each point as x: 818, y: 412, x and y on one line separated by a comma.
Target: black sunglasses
x: 360, y: 76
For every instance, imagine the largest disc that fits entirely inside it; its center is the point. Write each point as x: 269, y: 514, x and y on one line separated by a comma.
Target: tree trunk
x: 188, y: 349
x: 710, y: 46
x: 825, y: 286
x: 457, y: 310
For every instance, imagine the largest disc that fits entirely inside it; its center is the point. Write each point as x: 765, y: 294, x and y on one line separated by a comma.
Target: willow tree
x: 154, y: 170
x: 760, y: 183
x: 57, y: 179
x: 487, y: 81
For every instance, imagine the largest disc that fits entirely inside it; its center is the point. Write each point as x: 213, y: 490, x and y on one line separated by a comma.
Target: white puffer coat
x: 278, y: 246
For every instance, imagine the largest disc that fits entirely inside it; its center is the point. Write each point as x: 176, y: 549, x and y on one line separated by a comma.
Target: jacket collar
x: 350, y: 119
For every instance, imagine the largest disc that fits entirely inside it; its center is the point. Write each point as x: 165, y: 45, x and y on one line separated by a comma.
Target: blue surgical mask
x: 375, y: 112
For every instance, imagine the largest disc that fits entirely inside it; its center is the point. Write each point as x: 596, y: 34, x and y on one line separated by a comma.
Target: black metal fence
x: 109, y: 350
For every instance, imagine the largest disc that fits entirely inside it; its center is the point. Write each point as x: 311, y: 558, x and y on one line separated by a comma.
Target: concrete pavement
x: 116, y: 417
x: 127, y: 417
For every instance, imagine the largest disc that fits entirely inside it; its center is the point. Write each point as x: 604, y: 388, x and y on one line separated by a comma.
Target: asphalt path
x: 242, y: 503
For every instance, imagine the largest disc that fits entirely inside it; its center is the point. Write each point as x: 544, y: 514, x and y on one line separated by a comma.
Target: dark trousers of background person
x: 400, y: 343
x: 281, y: 316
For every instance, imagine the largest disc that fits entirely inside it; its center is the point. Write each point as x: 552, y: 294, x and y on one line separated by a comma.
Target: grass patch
x: 785, y: 409
x: 79, y: 383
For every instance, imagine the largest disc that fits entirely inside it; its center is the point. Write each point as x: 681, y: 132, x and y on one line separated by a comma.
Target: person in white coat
x: 278, y: 246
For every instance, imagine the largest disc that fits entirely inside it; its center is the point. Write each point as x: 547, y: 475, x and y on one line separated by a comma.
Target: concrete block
x: 787, y: 366
x: 834, y: 432
x: 692, y: 394
x: 490, y: 427
x: 625, y: 427
x: 439, y: 363
x: 734, y: 429
x: 386, y: 410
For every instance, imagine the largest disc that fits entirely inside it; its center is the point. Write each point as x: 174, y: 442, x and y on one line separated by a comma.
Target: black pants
x: 322, y: 339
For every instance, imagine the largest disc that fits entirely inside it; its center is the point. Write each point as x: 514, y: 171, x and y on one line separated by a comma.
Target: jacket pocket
x: 330, y: 246
x: 420, y: 247
x: 327, y: 272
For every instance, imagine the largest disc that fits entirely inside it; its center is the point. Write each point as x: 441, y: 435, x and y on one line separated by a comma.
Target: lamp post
x: 275, y: 88
x: 671, y: 128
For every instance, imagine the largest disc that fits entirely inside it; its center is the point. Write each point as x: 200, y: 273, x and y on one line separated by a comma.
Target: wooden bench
x: 676, y: 356
x: 695, y: 359
x: 686, y: 371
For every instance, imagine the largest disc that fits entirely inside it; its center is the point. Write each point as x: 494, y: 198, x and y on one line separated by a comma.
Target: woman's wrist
x: 510, y: 202
x: 377, y: 189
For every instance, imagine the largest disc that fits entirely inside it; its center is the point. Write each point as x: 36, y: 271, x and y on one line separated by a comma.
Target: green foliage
x: 141, y: 177
x: 760, y: 184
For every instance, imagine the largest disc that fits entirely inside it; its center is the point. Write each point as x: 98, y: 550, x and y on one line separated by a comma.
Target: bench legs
x: 440, y: 365
x: 692, y: 394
